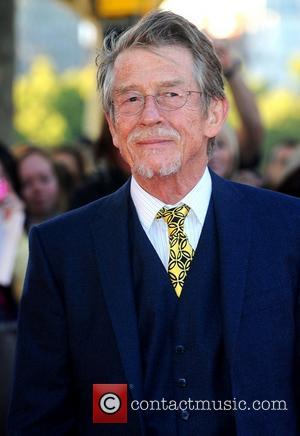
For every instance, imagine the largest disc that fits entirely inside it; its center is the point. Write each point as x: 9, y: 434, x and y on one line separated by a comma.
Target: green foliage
x: 49, y: 106
x: 280, y: 110
x: 69, y: 103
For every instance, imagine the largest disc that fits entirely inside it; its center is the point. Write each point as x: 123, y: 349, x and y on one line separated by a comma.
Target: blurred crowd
x: 37, y: 184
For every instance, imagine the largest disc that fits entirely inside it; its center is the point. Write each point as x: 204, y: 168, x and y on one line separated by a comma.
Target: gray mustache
x: 157, y: 132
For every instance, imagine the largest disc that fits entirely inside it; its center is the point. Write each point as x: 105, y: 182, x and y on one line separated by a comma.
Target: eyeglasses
x: 132, y: 102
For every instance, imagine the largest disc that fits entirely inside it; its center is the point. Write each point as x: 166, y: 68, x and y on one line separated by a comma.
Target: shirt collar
x: 147, y: 206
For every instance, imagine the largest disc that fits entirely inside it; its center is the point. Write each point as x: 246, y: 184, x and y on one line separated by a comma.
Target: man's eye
x: 133, y: 98
x: 130, y: 98
x: 171, y: 94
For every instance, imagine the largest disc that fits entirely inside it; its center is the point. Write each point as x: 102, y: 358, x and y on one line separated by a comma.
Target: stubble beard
x: 163, y: 169
x: 166, y: 169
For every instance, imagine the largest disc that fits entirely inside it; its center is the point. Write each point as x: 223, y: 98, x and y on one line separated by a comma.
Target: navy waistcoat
x: 181, y: 339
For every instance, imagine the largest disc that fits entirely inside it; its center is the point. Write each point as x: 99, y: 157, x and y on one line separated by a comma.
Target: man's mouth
x: 152, y: 141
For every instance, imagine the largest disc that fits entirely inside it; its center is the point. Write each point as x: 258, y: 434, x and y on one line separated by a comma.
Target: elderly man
x: 181, y: 287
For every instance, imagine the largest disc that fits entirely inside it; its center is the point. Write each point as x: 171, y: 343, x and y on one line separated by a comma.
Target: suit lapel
x: 110, y: 231
x: 233, y: 219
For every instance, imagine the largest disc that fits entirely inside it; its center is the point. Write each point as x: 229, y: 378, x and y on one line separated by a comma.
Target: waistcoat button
x: 181, y: 382
x: 185, y: 414
x: 179, y: 349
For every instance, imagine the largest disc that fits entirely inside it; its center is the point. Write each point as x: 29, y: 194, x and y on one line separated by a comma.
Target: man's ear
x: 112, y: 129
x: 217, y: 114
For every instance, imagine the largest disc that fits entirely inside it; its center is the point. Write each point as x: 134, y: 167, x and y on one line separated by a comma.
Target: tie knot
x: 175, y: 215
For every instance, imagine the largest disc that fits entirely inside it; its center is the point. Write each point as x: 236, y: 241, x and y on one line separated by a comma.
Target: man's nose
x: 151, y: 113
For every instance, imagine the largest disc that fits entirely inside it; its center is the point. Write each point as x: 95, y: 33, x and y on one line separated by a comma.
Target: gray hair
x: 163, y: 28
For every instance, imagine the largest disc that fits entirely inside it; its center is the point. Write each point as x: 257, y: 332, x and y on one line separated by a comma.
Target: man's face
x: 157, y: 142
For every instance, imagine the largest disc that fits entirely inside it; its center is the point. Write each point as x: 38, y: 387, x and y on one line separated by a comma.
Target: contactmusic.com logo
x: 110, y: 403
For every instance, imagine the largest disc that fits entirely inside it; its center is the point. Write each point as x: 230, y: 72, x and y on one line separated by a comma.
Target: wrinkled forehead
x: 142, y: 65
x: 175, y: 53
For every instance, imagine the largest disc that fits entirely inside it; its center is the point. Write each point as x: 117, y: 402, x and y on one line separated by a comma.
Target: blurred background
x: 48, y: 47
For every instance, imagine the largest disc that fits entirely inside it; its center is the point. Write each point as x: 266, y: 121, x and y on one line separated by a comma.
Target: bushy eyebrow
x: 163, y: 84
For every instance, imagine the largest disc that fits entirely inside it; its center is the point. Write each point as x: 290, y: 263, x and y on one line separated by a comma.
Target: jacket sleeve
x: 42, y: 393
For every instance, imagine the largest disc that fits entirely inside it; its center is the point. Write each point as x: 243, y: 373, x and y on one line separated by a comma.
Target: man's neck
x: 169, y: 189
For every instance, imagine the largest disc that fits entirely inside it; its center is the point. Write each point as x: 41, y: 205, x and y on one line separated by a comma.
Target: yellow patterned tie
x: 181, y: 252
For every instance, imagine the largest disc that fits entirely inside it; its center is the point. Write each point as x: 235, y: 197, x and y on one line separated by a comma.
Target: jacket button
x: 179, y: 349
x: 181, y: 382
x: 185, y: 414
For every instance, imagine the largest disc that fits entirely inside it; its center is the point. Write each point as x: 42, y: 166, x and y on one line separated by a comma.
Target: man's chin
x: 149, y: 172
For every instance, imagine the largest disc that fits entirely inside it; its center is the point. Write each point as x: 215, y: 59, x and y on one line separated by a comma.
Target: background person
x: 43, y: 199
x: 71, y: 158
x: 225, y: 159
x: 225, y: 154
x: 11, y: 227
x: 289, y: 183
x: 277, y: 162
x: 251, y: 131
x: 39, y: 186
x: 110, y: 174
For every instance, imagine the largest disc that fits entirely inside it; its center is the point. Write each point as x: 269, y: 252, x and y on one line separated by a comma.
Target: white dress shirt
x: 147, y: 207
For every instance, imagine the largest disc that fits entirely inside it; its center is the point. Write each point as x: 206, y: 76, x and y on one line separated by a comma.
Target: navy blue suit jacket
x: 78, y: 325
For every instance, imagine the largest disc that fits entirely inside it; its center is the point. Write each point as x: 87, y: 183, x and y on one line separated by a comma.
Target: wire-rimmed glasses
x: 133, y: 102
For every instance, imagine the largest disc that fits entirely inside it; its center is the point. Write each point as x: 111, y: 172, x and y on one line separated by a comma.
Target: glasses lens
x: 171, y: 100
x: 129, y: 103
